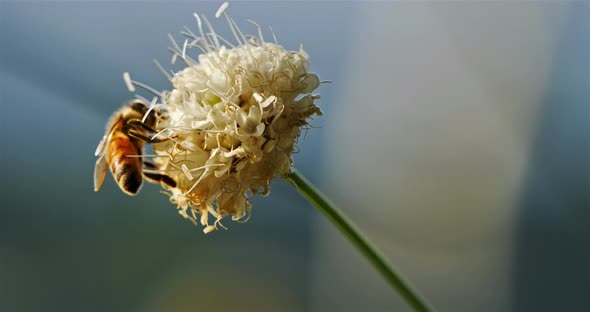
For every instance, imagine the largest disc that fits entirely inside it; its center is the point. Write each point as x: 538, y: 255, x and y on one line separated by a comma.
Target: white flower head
x: 232, y: 119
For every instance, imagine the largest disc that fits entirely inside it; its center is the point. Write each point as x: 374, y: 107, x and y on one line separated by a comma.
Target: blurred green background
x: 456, y: 134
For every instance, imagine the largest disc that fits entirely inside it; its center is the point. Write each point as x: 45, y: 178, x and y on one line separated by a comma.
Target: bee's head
x: 139, y: 108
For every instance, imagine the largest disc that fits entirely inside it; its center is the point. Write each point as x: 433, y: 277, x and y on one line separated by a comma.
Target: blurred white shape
x: 427, y: 148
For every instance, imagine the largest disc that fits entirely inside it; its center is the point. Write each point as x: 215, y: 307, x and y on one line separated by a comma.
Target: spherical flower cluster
x: 231, y: 119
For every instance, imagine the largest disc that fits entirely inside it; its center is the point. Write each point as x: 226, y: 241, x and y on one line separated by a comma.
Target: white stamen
x: 231, y: 26
x: 187, y: 59
x: 174, y: 44
x: 141, y: 98
x: 189, y: 33
x: 152, y: 105
x: 184, y: 49
x: 196, y: 183
x: 162, y: 70
x: 198, y: 47
x: 200, y: 25
x: 274, y: 37
x: 259, y: 30
x: 128, y: 82
x: 146, y: 87
x: 161, y: 132
x: 212, y: 31
x: 186, y: 172
x: 229, y: 44
x: 241, y: 34
x: 221, y: 9
x: 207, y: 167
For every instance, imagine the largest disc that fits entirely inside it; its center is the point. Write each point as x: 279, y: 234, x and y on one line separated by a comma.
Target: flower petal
x: 259, y: 130
x: 310, y: 82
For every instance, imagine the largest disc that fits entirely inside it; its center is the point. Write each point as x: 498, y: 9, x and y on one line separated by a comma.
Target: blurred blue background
x: 456, y: 134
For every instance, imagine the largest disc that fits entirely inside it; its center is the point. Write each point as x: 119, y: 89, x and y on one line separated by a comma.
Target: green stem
x: 359, y: 241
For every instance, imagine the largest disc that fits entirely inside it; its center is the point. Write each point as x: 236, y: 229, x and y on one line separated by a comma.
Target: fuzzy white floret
x: 232, y: 119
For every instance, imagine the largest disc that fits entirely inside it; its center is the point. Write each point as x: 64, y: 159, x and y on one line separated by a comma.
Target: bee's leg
x: 144, y: 138
x: 157, y: 177
x: 137, y: 129
x: 137, y: 123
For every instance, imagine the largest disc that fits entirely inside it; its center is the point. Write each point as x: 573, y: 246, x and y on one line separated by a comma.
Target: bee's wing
x: 101, y: 166
x: 101, y: 146
x: 100, y: 171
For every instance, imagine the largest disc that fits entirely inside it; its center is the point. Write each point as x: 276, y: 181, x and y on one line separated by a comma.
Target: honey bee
x: 121, y: 149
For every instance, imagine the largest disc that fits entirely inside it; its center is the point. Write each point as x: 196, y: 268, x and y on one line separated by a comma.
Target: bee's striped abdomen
x: 125, y: 170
